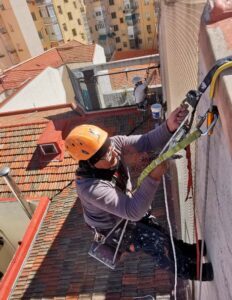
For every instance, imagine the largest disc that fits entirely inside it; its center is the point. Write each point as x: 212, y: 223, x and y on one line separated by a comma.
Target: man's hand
x: 159, y: 171
x: 176, y: 117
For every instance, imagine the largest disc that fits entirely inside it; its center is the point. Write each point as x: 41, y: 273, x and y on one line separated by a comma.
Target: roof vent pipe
x: 4, y: 172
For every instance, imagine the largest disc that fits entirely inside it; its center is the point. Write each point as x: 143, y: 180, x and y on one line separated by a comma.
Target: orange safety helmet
x: 84, y: 141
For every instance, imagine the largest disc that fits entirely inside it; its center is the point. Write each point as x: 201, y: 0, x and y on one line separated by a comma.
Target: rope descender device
x: 182, y: 136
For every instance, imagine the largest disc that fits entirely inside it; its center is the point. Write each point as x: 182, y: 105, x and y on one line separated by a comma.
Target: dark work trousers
x: 153, y: 240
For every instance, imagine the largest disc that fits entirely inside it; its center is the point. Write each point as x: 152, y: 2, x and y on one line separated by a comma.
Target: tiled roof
x: 76, y: 52
x: 58, y: 266
x: 118, y: 55
x: 124, y: 79
x: 73, y: 51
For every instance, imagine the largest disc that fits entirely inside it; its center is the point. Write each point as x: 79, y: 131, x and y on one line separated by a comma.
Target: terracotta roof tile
x: 118, y: 55
x: 15, y: 77
x: 124, y: 79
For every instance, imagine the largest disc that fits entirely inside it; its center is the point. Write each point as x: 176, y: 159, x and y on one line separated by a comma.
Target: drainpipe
x: 4, y: 172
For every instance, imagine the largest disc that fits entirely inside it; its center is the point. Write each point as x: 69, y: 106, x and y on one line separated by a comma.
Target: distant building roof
x: 118, y: 55
x: 15, y: 77
x: 123, y: 79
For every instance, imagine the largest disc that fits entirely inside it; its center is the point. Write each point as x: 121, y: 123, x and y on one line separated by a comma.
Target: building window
x: 82, y: 9
x: 74, y: 32
x: 115, y: 27
x: 65, y: 1
x: 90, y: 29
x: 59, y: 9
x: 96, y: 28
x: 64, y: 26
x: 98, y: 13
x: 113, y: 15
x: 74, y: 4
x: 121, y: 20
x: 40, y: 35
x: 40, y: 13
x: 79, y: 21
x: 70, y: 16
x: 141, y: 41
x: 124, y: 44
x: 82, y: 36
x: 117, y: 40
x: 100, y: 25
x: 119, y: 49
x: 149, y: 28
x: 33, y: 16
x: 111, y: 2
x: 146, y: 2
x: 149, y: 39
x: 45, y: 29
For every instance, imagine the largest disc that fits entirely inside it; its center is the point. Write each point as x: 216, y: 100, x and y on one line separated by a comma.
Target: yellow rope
x: 215, y: 77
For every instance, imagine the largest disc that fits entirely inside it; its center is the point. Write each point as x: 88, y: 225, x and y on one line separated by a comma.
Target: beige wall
x: 40, y: 26
x: 8, y: 54
x: 178, y: 46
x: 19, y: 37
x: 147, y: 17
x: 213, y: 183
x: 70, y: 18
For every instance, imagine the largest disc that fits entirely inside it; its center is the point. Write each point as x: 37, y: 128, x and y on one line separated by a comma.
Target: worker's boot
x: 207, y: 272
x: 190, y: 250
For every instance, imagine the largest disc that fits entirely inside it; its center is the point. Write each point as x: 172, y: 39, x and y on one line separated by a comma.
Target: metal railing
x: 110, y: 85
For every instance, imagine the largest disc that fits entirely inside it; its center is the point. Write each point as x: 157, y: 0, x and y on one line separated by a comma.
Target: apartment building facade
x: 115, y: 25
x: 45, y: 20
x: 19, y: 38
x: 134, y: 24
x: 123, y: 24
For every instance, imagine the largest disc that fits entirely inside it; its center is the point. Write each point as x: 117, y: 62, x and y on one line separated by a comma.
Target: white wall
x: 99, y: 55
x: 13, y: 224
x: 45, y: 90
x: 27, y: 27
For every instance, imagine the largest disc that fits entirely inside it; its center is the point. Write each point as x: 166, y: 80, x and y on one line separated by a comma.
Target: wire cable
x: 171, y: 233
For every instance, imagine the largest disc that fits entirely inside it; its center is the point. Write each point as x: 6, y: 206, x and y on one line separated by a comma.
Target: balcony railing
x: 110, y: 84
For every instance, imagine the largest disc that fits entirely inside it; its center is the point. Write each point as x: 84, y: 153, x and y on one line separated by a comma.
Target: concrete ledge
x: 216, y: 43
x: 218, y: 10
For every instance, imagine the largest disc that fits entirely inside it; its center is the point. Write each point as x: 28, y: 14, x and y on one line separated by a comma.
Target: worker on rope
x: 104, y: 188
x: 140, y: 90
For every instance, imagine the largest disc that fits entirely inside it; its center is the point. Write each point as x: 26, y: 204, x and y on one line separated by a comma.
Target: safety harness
x: 99, y: 248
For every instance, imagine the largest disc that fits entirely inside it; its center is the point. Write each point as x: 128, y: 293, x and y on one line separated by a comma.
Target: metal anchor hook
x: 212, y: 115
x: 211, y: 126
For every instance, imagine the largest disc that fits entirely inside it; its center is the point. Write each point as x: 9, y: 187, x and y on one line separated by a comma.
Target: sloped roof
x: 73, y: 51
x: 124, y: 79
x: 118, y: 55
x: 58, y: 265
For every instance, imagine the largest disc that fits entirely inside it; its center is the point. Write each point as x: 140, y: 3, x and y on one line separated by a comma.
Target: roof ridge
x: 27, y: 60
